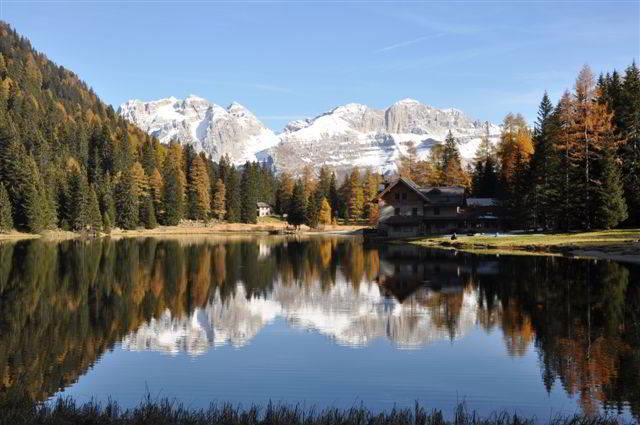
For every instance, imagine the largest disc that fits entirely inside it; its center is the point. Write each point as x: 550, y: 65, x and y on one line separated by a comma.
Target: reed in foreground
x: 67, y: 411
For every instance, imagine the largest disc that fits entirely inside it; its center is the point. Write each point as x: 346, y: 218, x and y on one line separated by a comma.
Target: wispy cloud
x: 408, y: 42
x: 458, y: 56
x: 441, y: 26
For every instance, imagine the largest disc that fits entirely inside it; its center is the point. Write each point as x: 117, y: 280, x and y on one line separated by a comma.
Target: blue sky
x: 287, y: 60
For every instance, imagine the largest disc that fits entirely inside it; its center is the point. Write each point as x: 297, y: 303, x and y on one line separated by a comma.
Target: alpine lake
x: 319, y: 322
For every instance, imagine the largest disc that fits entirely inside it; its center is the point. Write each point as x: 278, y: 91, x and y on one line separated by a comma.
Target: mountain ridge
x: 347, y: 135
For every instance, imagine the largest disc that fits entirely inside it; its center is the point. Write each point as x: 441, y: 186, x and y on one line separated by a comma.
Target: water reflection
x: 63, y: 305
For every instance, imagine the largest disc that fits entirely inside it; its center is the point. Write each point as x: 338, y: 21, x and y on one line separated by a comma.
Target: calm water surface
x: 318, y: 321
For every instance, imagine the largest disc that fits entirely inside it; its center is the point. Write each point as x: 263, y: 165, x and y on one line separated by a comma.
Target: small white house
x: 264, y: 209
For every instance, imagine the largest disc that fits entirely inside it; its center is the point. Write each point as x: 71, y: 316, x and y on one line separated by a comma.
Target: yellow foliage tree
x: 515, y: 144
x: 325, y: 212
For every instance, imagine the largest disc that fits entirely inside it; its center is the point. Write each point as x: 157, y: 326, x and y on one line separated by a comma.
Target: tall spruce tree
x: 609, y: 203
x: 233, y: 201
x: 6, y: 220
x: 629, y: 122
x: 126, y: 201
x: 94, y: 217
x: 484, y: 182
x: 148, y: 213
x: 284, y: 192
x: 542, y: 189
x: 173, y: 190
x: 334, y: 196
x: 75, y: 211
x: 298, y: 205
x: 249, y: 193
x: 451, y: 164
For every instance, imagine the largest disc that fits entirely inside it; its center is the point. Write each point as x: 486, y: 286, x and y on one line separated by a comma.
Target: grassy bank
x: 619, y: 244
x: 165, y: 412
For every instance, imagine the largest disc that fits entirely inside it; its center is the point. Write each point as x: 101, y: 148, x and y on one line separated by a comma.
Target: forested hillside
x: 69, y: 161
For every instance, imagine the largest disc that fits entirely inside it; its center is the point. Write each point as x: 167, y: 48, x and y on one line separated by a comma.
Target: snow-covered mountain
x: 349, y: 135
x: 355, y: 134
x: 208, y: 127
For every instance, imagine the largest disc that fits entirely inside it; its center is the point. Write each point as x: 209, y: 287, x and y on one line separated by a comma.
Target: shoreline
x: 614, y: 245
x: 621, y: 245
x: 187, y: 230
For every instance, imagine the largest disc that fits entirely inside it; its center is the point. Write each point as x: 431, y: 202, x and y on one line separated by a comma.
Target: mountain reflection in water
x: 62, y: 305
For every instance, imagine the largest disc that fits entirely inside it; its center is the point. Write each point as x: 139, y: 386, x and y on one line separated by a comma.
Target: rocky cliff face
x: 347, y: 136
x: 209, y: 128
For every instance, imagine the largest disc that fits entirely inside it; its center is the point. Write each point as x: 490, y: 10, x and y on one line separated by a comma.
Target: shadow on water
x: 62, y: 305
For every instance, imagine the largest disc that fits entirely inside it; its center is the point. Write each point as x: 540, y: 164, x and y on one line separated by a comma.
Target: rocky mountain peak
x: 208, y: 127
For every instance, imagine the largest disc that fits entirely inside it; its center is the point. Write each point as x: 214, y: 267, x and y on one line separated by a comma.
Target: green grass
x: 67, y: 412
x: 271, y: 219
x: 541, y: 240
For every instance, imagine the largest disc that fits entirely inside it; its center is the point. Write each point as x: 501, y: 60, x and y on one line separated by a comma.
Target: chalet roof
x: 408, y: 182
x: 434, y: 195
x: 263, y: 205
x: 444, y: 195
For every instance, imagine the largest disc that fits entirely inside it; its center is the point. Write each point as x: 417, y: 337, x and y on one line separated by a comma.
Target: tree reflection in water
x: 62, y: 305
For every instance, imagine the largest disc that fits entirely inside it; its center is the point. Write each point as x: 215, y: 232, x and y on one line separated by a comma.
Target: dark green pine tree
x: 6, y: 220
x: 610, y: 206
x: 233, y: 202
x: 75, y: 211
x: 298, y: 207
x: 126, y: 202
x: 518, y: 199
x: 148, y: 213
x: 542, y: 189
x: 249, y: 193
x: 312, y: 215
x: 485, y: 173
x: 334, y: 195
x: 148, y: 156
x: 104, y: 190
x: 93, y: 209
x: 172, y: 195
x: 15, y: 175
x: 629, y: 125
x: 324, y: 183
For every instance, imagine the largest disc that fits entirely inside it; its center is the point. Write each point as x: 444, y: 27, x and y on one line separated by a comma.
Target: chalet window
x: 397, y: 211
x: 397, y: 196
x: 414, y: 211
x: 436, y: 210
x: 404, y: 196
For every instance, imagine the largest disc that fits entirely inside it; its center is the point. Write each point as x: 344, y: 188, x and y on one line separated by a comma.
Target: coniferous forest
x: 68, y: 161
